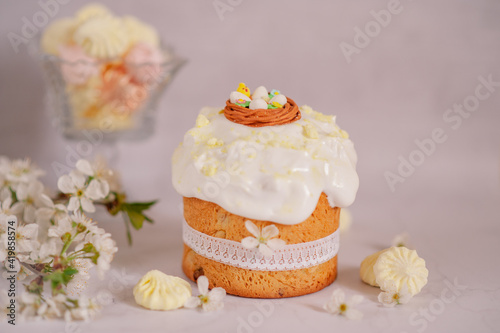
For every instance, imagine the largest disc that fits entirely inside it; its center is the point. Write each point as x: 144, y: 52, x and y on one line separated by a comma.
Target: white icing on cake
x: 272, y: 173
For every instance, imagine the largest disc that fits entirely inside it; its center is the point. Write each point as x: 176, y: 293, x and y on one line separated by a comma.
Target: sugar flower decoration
x: 339, y: 306
x: 263, y: 239
x: 208, y: 300
x: 391, y: 296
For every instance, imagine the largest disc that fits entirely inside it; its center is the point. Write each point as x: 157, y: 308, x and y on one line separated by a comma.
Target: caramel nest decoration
x: 262, y: 117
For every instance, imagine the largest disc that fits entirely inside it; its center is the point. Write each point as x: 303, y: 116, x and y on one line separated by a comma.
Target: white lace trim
x: 290, y: 257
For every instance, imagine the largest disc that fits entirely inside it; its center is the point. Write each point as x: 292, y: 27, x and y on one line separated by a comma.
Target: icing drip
x: 271, y: 173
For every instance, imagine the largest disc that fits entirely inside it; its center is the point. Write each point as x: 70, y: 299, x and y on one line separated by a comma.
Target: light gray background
x: 395, y: 91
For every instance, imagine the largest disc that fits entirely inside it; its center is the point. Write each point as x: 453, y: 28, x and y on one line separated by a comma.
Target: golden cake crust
x: 213, y: 220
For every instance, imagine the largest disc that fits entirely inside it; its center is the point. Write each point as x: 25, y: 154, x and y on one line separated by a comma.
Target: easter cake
x: 263, y: 182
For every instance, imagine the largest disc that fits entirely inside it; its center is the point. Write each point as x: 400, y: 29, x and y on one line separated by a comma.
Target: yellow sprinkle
x: 310, y: 131
x: 202, y: 121
x: 344, y: 134
x: 209, y: 170
x: 214, y: 142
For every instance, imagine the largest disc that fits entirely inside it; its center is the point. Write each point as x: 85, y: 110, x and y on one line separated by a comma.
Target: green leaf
x: 148, y: 219
x: 56, y: 279
x: 140, y: 206
x: 136, y: 218
x: 126, y: 220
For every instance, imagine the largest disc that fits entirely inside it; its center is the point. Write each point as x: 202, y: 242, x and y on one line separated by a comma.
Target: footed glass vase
x: 112, y: 97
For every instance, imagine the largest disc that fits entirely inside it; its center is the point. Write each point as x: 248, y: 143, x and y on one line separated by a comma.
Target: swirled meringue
x: 102, y: 37
x: 158, y: 291
x: 140, y: 32
x: 403, y: 267
x: 91, y: 11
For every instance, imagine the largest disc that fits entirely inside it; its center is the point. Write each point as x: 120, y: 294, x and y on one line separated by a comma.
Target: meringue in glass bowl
x: 105, y: 73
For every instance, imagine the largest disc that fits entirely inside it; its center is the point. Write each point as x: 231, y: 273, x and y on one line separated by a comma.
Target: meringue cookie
x: 57, y: 33
x: 102, y: 37
x: 366, y: 269
x: 403, y: 267
x: 158, y: 291
x: 77, y: 67
x: 280, y: 99
x: 260, y: 92
x: 118, y: 90
x: 143, y: 62
x: 138, y: 31
x: 257, y: 103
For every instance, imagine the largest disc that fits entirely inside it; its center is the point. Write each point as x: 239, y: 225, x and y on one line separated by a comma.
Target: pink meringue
x: 120, y: 92
x: 143, y: 63
x: 77, y: 67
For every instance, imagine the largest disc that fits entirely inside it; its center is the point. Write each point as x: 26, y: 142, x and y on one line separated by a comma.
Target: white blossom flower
x: 262, y: 239
x: 402, y: 240
x: 63, y: 227
x: 20, y: 171
x: 89, y: 224
x: 87, y: 309
x: 34, y: 308
x: 105, y: 247
x: 21, y: 275
x: 338, y: 305
x: 81, y: 195
x: 391, y: 296
x: 3, y: 180
x: 208, y: 300
x: 79, y: 282
x: 86, y: 168
x: 29, y: 304
x: 102, y: 171
x: 3, y: 222
x: 48, y: 249
x: 49, y: 210
x: 26, y: 238
x: 7, y: 208
x: 29, y: 194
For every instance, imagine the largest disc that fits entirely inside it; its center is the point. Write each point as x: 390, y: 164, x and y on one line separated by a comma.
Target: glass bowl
x: 117, y: 99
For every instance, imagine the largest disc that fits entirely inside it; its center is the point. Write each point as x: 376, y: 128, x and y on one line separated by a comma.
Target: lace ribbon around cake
x: 290, y: 257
